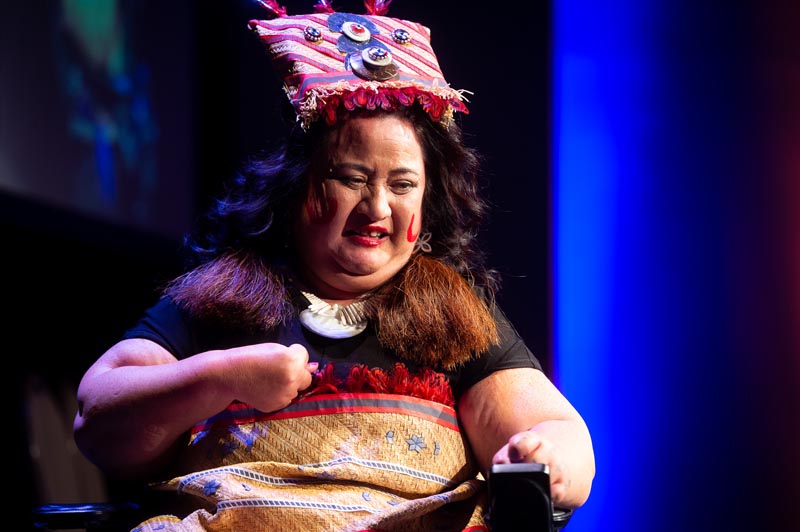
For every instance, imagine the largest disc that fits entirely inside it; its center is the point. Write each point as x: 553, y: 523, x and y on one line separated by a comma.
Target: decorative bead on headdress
x: 330, y: 61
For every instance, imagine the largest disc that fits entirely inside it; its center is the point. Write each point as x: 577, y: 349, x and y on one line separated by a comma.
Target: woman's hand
x: 268, y: 376
x: 530, y: 446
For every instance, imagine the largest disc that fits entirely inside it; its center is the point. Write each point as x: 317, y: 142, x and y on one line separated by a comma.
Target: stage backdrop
x: 676, y: 234
x: 97, y: 103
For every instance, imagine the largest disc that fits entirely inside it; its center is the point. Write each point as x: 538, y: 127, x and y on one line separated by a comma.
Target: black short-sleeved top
x: 178, y: 332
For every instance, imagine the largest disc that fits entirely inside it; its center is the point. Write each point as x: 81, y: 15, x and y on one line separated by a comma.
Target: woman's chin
x: 362, y: 264
x: 361, y: 272
x: 363, y: 279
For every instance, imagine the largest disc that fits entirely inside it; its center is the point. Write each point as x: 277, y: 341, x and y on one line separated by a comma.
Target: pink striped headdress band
x: 332, y: 61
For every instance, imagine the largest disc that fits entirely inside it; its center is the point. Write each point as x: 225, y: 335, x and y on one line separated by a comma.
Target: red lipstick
x: 369, y: 236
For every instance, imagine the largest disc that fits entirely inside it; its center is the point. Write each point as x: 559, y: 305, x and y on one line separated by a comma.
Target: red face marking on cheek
x: 318, y: 213
x: 410, y: 236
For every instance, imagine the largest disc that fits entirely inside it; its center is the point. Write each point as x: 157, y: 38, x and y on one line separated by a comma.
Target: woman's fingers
x: 530, y: 446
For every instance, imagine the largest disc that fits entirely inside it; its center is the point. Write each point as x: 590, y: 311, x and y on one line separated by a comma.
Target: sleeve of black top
x: 165, y: 324
x: 511, y: 352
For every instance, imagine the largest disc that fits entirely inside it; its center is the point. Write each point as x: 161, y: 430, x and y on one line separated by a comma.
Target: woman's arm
x: 518, y: 415
x: 137, y: 400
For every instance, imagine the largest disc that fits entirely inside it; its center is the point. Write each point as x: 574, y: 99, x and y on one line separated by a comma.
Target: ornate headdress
x: 331, y: 61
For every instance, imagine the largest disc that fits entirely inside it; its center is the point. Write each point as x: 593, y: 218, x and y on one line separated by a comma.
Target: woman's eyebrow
x: 362, y: 168
x: 358, y: 167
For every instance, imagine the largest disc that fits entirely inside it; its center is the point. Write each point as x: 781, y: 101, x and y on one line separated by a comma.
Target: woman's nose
x: 375, y: 203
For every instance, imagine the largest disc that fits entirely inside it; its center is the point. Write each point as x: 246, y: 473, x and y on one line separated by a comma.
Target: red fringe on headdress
x: 426, y: 384
x: 388, y: 99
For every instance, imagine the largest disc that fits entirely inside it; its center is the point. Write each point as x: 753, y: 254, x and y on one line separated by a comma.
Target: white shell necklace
x: 334, y: 321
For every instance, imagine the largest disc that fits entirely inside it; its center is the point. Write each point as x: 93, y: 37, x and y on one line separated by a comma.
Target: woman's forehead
x: 374, y: 132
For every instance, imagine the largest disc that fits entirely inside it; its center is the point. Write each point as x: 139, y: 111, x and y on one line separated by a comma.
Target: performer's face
x: 362, y: 229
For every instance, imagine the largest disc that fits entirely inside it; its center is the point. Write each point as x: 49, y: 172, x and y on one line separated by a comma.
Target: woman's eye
x: 403, y: 187
x: 354, y: 182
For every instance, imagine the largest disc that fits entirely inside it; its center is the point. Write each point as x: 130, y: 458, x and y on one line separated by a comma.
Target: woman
x: 337, y: 317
